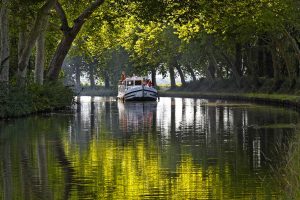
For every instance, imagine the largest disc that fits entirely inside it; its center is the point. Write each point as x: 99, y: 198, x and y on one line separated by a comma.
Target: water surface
x: 177, y: 148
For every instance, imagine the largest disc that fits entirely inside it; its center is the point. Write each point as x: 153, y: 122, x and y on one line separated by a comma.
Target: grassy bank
x: 292, y: 101
x: 19, y: 101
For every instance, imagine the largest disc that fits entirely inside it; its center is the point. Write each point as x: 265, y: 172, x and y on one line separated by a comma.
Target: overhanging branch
x: 63, y: 17
x: 88, y: 11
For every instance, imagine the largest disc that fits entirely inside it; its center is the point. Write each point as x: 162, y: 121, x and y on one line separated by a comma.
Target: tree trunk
x: 68, y: 38
x: 39, y: 25
x: 192, y: 73
x: 276, y: 68
x: 21, y: 44
x: 209, y: 76
x: 59, y: 56
x: 40, y: 59
x: 212, y: 65
x: 238, y: 59
x: 268, y: 64
x: 293, y: 43
x: 172, y: 76
x: 235, y: 73
x: 153, y: 77
x: 92, y: 78
x: 181, y: 75
x: 260, y: 57
x: 290, y: 60
x: 77, y: 76
x: 106, y: 80
x: 4, y: 56
x: 251, y: 61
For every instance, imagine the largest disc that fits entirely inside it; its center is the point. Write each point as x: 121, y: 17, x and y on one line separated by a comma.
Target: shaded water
x: 174, y: 149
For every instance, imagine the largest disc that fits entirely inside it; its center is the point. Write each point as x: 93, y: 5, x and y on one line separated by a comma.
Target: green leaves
x: 32, y: 99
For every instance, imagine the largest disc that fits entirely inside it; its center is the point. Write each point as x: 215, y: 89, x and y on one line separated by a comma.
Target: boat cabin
x: 132, y: 81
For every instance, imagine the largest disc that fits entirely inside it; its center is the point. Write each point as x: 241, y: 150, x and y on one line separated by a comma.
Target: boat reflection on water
x: 137, y: 116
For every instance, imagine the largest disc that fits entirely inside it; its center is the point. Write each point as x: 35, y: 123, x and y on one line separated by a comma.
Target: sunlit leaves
x: 189, y: 30
x: 239, y: 19
x: 152, y: 32
x: 147, y: 38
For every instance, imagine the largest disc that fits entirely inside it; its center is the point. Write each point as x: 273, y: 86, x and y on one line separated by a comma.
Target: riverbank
x: 21, y: 101
x: 284, y: 100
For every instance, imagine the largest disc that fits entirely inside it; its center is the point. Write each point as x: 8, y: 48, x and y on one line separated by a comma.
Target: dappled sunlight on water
x: 172, y: 149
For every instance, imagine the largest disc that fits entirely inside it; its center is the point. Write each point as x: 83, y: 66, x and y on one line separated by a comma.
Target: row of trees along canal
x: 248, y: 41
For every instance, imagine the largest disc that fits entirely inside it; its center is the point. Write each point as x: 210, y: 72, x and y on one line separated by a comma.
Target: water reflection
x: 173, y: 149
x: 137, y: 117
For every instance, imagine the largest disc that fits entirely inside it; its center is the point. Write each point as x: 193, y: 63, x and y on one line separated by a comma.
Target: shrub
x: 18, y: 101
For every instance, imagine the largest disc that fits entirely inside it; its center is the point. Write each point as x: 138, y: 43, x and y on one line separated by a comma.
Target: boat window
x: 139, y: 82
x: 129, y: 83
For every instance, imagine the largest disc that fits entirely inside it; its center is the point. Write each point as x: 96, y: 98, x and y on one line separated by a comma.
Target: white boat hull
x: 138, y: 93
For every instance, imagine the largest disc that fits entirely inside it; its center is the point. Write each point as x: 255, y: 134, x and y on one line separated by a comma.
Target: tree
x: 69, y: 34
x: 40, y: 57
x: 4, y: 43
x: 38, y: 26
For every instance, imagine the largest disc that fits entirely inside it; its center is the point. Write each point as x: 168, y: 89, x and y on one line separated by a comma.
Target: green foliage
x: 16, y: 101
x: 154, y: 33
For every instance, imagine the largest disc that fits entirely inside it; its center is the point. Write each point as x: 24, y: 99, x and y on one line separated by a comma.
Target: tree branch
x: 66, y: 42
x: 88, y: 11
x: 63, y: 17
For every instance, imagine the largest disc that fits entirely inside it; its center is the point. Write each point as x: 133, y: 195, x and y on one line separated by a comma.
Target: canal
x: 177, y: 148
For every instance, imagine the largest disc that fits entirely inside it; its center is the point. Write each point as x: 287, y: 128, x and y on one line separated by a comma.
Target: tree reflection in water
x: 176, y: 148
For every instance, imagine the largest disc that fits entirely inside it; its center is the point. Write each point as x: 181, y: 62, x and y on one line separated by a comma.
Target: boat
x: 136, y: 89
